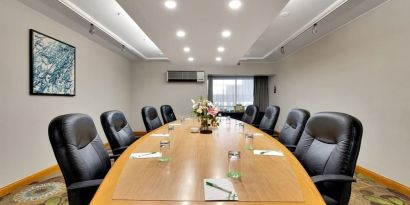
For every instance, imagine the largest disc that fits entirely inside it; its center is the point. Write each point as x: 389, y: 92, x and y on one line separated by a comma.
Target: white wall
x: 150, y: 86
x: 362, y: 69
x: 103, y: 82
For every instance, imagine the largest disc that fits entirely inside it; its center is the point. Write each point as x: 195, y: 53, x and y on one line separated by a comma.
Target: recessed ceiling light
x: 221, y: 49
x: 284, y: 13
x: 226, y: 33
x: 181, y: 33
x: 235, y: 4
x: 190, y: 59
x: 187, y: 49
x: 218, y: 59
x: 170, y: 4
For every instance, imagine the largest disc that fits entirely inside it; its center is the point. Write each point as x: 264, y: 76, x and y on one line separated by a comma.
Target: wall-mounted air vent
x: 186, y: 76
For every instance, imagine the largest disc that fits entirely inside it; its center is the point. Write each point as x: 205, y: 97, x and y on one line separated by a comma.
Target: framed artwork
x: 52, y: 66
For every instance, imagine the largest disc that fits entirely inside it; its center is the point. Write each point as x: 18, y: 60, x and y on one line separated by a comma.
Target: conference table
x: 195, y: 157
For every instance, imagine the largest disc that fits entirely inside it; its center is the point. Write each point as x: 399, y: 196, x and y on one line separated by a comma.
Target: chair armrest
x: 268, y: 131
x: 82, y: 192
x: 119, y: 150
x: 332, y: 178
x: 114, y: 156
x: 85, y: 185
x: 291, y: 148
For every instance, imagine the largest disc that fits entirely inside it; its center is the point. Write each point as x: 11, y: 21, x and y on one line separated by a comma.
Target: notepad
x: 219, y: 190
x: 144, y: 155
x: 159, y: 135
x: 268, y: 153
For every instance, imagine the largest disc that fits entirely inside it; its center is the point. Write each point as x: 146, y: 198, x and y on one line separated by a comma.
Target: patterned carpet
x: 52, y: 191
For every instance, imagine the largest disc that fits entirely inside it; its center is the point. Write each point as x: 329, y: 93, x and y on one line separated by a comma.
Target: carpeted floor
x: 51, y: 191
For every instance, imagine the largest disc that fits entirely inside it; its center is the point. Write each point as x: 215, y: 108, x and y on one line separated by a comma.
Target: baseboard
x: 28, y: 180
x: 384, y: 180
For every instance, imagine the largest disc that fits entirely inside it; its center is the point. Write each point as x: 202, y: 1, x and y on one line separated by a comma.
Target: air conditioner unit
x: 186, y: 76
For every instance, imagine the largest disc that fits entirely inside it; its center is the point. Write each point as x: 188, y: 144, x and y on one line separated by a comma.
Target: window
x: 230, y: 91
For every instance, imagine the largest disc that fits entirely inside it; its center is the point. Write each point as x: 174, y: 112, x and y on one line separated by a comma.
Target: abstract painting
x: 52, y: 66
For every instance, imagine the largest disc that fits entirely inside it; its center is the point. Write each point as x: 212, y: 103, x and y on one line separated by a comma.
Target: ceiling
x: 203, y: 22
x: 146, y: 29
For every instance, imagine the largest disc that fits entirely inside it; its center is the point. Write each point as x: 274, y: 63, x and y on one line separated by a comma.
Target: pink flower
x: 212, y: 111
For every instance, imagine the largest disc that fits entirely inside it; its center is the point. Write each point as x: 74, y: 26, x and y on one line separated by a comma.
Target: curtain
x: 261, y: 92
x: 210, y: 88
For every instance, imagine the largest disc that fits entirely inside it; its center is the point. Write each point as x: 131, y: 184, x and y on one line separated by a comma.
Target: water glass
x: 234, y: 164
x: 241, y: 126
x: 228, y: 120
x: 170, y: 128
x: 249, y: 141
x: 165, y: 148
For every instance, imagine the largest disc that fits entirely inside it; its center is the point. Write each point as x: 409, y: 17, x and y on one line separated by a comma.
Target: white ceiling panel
x: 203, y: 22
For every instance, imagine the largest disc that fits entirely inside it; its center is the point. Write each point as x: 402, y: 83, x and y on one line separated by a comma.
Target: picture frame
x: 52, y: 66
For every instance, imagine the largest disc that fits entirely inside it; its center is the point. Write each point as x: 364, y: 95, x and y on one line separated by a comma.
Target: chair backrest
x: 330, y: 144
x: 167, y: 113
x: 150, y: 118
x: 118, y: 131
x: 78, y: 149
x: 294, y: 126
x: 250, y: 114
x: 270, y: 118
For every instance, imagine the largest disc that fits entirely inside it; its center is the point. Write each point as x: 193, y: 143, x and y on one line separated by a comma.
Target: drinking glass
x: 234, y: 164
x: 228, y: 119
x: 249, y: 141
x: 164, y: 147
x: 170, y: 128
x: 241, y: 127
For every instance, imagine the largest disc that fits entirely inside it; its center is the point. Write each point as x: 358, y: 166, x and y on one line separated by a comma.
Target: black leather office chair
x: 80, y: 154
x: 293, y: 128
x: 150, y: 118
x: 328, y: 150
x: 118, y: 131
x: 250, y: 114
x: 269, y: 119
x: 167, y: 114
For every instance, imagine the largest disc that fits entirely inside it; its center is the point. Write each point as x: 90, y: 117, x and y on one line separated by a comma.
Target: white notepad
x: 219, y: 190
x: 268, y: 153
x: 145, y: 155
x: 159, y: 135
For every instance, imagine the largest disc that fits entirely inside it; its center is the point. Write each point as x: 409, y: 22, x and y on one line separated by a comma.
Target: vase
x: 205, y: 127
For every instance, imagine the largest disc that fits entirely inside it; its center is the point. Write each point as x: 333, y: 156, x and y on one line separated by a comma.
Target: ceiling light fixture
x: 226, y: 33
x: 221, y: 49
x: 314, y: 28
x: 181, y: 33
x: 218, y: 59
x: 170, y: 4
x: 235, y: 4
x: 92, y: 29
x: 190, y: 59
x: 187, y: 49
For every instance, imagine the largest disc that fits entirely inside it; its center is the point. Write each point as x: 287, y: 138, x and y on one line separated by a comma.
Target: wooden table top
x: 194, y: 157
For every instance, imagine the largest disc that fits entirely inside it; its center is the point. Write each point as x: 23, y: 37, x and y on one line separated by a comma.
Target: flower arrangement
x: 206, y: 111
